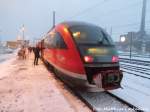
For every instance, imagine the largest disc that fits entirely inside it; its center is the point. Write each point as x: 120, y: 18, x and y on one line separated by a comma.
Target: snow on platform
x: 28, y: 88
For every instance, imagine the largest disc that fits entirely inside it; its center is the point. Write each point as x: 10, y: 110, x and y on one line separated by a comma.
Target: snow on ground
x: 5, y: 60
x: 28, y: 88
x: 135, y: 91
x: 103, y: 102
x: 7, y: 55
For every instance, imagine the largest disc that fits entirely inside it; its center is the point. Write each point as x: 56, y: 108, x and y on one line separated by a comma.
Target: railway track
x: 135, y: 67
x: 106, y: 102
x: 96, y: 100
x: 135, y: 71
x: 135, y: 55
x: 135, y: 61
x: 136, y: 74
x: 141, y: 68
x: 102, y: 101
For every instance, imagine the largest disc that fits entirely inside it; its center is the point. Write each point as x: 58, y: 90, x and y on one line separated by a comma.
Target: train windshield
x: 90, y: 35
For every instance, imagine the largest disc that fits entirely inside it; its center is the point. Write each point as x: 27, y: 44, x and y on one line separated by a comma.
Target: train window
x: 54, y: 40
x: 49, y: 42
x: 59, y: 41
x: 46, y: 44
x: 91, y: 35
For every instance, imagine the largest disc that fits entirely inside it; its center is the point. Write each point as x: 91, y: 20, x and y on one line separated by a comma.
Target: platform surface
x: 28, y: 88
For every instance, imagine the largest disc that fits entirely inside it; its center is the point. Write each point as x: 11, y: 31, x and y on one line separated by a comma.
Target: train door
x: 61, y: 51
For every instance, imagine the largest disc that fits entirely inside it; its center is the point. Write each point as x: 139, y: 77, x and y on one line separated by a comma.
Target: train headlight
x: 88, y: 59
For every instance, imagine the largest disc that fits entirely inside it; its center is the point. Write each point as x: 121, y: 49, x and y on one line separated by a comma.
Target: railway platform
x: 28, y: 88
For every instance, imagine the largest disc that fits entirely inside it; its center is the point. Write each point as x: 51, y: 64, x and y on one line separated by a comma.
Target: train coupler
x: 109, y: 79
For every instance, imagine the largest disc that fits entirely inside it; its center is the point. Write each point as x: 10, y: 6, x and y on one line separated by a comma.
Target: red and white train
x: 83, y: 55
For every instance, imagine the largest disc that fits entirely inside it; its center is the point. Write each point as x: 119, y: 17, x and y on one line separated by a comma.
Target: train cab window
x: 59, y: 41
x: 54, y: 41
x: 46, y: 42
x: 90, y: 35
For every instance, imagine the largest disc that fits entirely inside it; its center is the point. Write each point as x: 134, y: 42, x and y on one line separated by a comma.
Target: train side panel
x: 66, y: 60
x: 73, y: 60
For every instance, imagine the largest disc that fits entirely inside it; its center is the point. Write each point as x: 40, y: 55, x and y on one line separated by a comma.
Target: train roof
x: 76, y: 23
x: 69, y: 24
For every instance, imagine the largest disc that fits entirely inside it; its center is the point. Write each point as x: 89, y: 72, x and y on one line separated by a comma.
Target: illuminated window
x: 76, y: 34
x: 90, y: 34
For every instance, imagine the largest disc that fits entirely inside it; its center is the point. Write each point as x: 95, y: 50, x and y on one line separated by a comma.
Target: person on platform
x: 22, y: 53
x: 36, y: 51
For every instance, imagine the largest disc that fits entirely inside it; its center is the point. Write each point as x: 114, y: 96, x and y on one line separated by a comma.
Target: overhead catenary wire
x: 98, y: 4
x: 129, y: 25
x: 116, y: 11
x: 89, y: 9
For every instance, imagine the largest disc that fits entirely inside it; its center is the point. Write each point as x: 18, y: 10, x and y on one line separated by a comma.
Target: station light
x: 122, y: 38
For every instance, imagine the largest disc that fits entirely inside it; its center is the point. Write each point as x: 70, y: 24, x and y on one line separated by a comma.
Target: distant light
x: 122, y: 38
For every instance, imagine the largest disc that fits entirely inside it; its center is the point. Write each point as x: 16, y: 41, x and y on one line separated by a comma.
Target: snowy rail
x: 135, y: 61
x: 123, y: 100
x: 106, y: 101
x: 103, y: 101
x: 135, y: 83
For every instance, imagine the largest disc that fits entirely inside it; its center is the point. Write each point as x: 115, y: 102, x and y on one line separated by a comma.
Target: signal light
x: 115, y: 58
x: 88, y: 59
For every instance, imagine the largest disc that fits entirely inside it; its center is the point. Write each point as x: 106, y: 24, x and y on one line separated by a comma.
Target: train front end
x: 99, y: 56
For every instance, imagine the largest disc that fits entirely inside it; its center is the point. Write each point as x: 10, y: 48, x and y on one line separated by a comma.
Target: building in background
x: 139, y: 41
x: 17, y: 44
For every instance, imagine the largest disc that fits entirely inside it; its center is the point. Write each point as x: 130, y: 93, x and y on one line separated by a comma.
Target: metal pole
x: 0, y: 37
x: 111, y: 31
x: 23, y: 34
x: 131, y: 45
x: 53, y: 19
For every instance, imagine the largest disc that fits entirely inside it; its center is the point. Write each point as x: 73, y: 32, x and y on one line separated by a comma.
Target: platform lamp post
x: 0, y: 36
x: 23, y: 30
x: 131, y: 36
x: 54, y: 19
x: 123, y: 39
